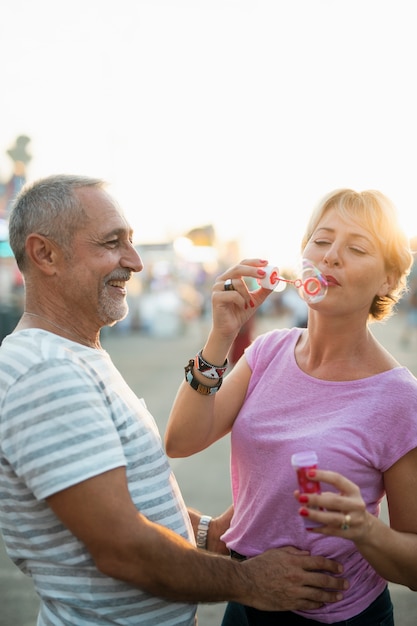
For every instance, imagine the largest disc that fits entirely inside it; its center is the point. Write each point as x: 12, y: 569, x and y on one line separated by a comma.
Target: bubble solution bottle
x: 302, y: 462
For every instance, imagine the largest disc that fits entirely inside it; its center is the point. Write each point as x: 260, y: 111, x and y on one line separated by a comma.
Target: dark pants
x: 379, y: 613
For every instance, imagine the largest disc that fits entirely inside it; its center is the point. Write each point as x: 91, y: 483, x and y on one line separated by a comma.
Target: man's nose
x: 132, y: 260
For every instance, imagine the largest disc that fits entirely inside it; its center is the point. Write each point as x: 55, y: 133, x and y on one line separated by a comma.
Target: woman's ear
x: 388, y: 284
x: 42, y: 252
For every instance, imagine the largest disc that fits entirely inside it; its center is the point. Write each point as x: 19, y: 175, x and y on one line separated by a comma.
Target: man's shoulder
x: 35, y: 352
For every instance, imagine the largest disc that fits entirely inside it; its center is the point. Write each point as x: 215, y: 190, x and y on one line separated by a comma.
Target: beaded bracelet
x: 205, y: 390
x: 208, y: 369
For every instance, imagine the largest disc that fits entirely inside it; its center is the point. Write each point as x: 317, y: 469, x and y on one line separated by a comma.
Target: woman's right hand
x: 233, y: 306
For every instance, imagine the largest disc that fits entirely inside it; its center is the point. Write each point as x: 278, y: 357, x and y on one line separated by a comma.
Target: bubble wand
x: 312, y: 286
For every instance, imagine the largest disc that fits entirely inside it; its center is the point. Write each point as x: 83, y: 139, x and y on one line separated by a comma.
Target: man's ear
x: 42, y: 252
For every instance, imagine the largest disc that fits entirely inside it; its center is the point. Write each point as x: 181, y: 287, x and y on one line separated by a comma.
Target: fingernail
x: 261, y: 272
x: 303, y: 499
x: 311, y: 473
x: 303, y: 512
x: 252, y: 304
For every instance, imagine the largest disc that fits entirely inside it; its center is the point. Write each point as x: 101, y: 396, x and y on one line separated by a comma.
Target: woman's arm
x: 397, y: 560
x: 391, y: 550
x: 196, y: 420
x: 216, y: 528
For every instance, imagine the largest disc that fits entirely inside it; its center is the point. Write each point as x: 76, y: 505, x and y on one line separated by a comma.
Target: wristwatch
x: 202, y: 531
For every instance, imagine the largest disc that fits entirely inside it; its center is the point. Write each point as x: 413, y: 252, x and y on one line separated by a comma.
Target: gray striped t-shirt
x: 66, y: 415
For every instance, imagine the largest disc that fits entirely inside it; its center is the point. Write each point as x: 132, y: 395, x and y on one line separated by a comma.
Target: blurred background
x: 219, y: 124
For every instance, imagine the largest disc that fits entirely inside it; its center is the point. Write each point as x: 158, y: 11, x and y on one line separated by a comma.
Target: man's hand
x: 288, y: 579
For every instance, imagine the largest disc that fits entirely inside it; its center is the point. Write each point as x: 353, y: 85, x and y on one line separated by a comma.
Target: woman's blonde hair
x: 375, y: 212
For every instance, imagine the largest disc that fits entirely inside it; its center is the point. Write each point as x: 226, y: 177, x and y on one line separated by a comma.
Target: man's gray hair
x: 48, y: 207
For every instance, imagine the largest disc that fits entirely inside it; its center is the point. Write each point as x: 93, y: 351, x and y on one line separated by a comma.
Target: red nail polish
x: 261, y: 273
x: 305, y: 464
x: 251, y: 303
x: 303, y: 512
x: 303, y: 499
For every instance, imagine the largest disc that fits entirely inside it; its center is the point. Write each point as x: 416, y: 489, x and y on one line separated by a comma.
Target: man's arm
x: 127, y: 546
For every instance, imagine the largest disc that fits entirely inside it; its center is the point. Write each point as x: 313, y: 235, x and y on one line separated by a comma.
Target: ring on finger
x: 346, y: 522
x: 228, y: 285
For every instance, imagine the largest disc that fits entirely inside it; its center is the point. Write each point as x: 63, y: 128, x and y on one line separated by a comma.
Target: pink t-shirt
x: 359, y: 428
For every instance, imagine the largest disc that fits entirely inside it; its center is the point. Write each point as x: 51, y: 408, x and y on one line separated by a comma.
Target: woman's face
x: 348, y: 255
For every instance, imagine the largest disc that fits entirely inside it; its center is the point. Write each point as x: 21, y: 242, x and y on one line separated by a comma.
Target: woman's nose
x: 332, y: 256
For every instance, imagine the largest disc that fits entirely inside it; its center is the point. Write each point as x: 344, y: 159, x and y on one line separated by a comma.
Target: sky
x: 236, y: 113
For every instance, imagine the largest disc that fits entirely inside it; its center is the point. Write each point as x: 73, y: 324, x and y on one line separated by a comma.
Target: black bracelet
x: 208, y: 369
x: 205, y: 390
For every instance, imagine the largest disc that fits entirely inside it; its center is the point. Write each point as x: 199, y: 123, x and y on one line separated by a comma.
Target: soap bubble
x: 312, y: 287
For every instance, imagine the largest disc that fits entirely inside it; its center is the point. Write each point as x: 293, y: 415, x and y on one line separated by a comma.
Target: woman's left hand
x: 391, y: 548
x: 341, y: 514
x: 218, y: 526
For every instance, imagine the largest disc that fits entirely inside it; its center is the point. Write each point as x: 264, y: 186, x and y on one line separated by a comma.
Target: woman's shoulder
x: 271, y: 341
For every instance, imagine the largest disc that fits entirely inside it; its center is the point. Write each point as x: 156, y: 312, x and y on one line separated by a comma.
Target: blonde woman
x: 331, y: 388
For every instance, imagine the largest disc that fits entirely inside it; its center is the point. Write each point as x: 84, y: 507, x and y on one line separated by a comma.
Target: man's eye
x: 112, y: 243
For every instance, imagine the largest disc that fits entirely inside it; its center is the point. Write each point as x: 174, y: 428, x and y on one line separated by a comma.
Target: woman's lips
x: 332, y: 281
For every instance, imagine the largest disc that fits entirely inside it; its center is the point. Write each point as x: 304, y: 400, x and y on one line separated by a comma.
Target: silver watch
x: 202, y: 531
